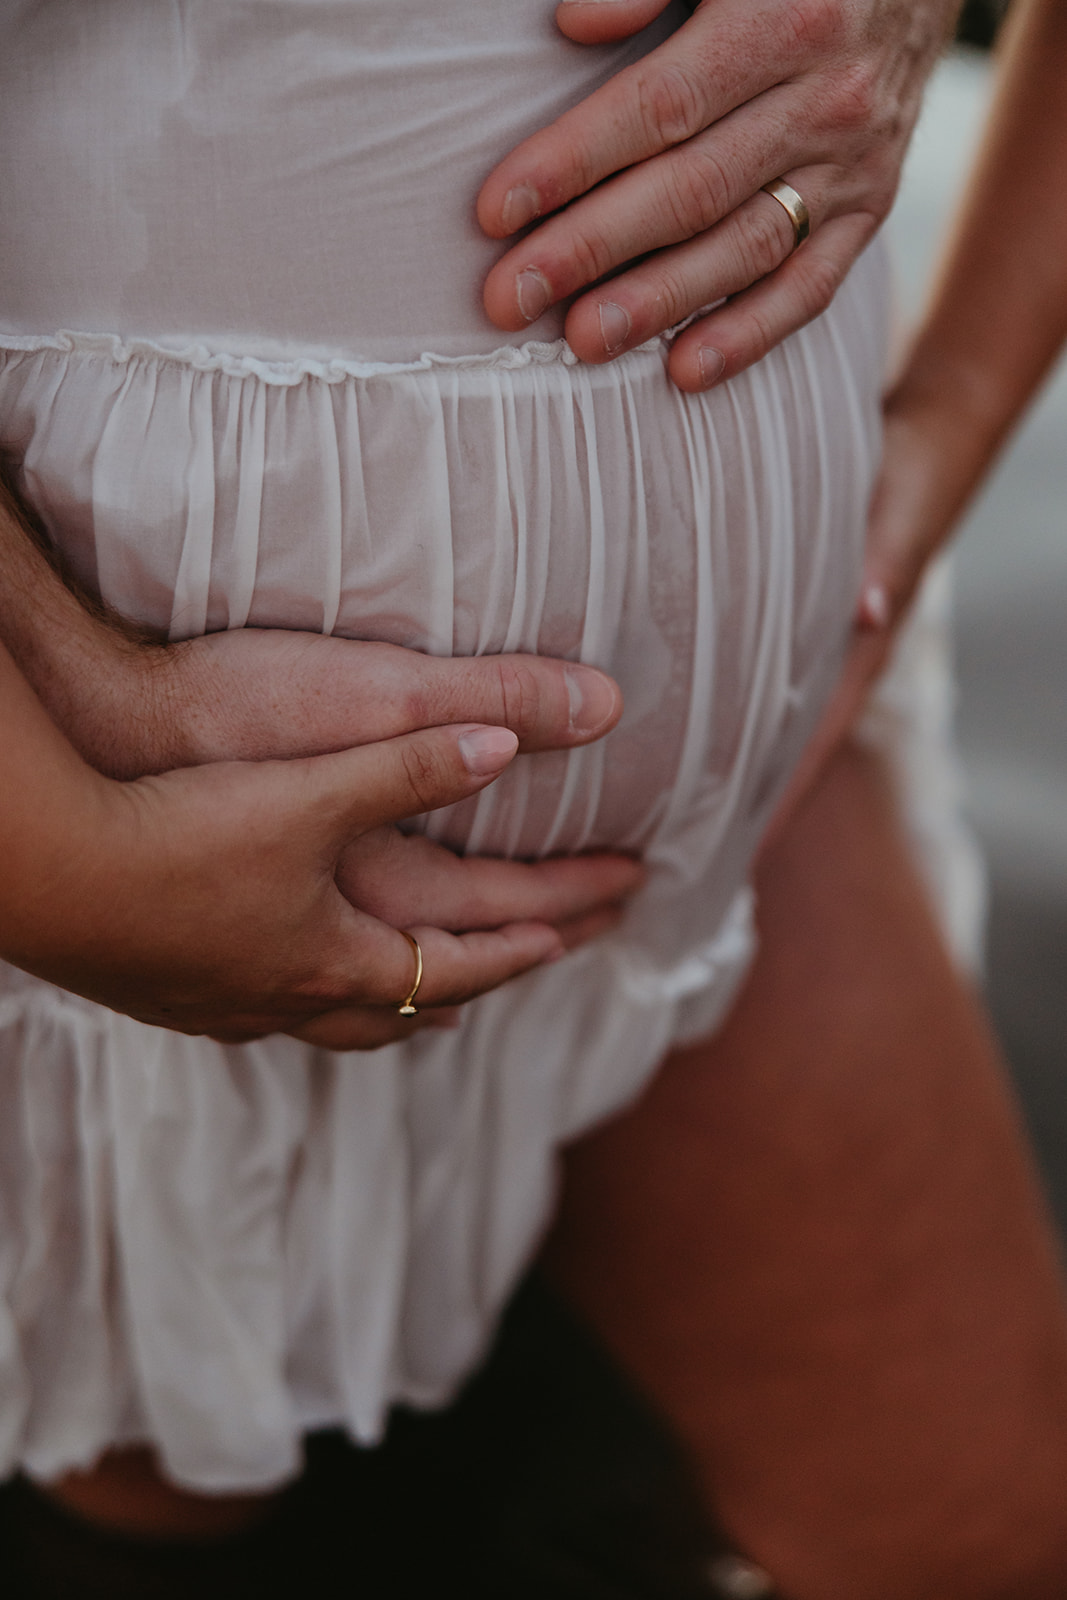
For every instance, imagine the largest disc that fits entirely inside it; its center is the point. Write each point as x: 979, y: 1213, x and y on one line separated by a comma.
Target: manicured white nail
x: 874, y: 606
x: 484, y: 750
x: 615, y: 325
x: 712, y: 363
x: 521, y: 205
x: 532, y: 293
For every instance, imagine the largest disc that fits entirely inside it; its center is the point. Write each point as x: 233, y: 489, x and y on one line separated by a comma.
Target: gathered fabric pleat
x: 217, y: 1247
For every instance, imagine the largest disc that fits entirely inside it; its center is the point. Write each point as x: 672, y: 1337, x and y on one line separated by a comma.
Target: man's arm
x: 198, y: 899
x: 206, y: 899
x: 133, y: 704
x: 660, y: 173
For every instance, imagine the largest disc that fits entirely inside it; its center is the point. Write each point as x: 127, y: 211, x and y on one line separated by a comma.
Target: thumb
x: 397, y: 778
x: 597, y: 21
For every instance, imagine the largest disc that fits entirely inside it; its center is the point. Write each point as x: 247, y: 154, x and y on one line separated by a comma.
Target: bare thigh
x: 819, y: 1244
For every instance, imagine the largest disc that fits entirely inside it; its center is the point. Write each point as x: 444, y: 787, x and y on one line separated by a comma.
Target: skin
x: 654, y: 181
x: 819, y: 1246
x: 249, y: 860
x: 995, y: 323
x: 829, y: 1213
x: 740, y: 332
x: 283, y: 875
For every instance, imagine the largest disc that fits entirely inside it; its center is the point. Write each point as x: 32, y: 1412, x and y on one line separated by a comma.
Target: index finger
x: 707, y: 68
x: 548, y: 704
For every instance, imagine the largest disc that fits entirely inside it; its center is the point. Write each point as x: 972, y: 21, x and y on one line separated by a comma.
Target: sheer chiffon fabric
x: 260, y: 422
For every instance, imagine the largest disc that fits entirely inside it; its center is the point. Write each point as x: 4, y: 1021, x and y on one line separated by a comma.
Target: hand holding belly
x: 210, y: 899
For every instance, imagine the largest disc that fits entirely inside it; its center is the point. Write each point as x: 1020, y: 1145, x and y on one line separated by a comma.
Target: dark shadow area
x: 979, y: 21
x: 1027, y: 992
x: 548, y: 1479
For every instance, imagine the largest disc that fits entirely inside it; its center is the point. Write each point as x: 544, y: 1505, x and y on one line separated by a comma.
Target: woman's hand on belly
x: 207, y: 899
x: 203, y: 929
x: 660, y: 172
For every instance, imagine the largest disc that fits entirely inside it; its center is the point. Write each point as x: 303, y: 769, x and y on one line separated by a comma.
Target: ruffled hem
x: 216, y: 1248
x: 200, y: 357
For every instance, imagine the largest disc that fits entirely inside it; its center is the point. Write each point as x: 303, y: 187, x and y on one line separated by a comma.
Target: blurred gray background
x: 1011, y: 644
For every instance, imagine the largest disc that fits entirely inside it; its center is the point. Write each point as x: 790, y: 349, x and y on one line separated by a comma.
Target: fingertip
x: 634, y: 875
x: 510, y: 294
x: 542, y: 942
x: 486, y: 751
x: 601, y: 21
x: 875, y: 611
x: 685, y: 370
x: 594, y: 702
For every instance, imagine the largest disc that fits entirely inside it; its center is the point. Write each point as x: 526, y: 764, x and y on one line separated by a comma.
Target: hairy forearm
x: 998, y: 315
x: 97, y: 673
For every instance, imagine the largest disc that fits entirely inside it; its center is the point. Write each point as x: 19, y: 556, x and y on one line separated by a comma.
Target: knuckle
x: 423, y: 771
x: 522, y: 698
x: 816, y: 26
x: 761, y: 335
x: 698, y: 191
x: 414, y: 707
x: 821, y: 281
x: 853, y: 102
x: 671, y: 104
x: 321, y: 987
x: 672, y: 297
x: 591, y: 256
x: 765, y: 248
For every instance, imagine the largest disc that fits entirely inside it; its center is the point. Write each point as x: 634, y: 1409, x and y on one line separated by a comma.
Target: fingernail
x: 532, y: 292
x: 592, y: 699
x: 485, y: 750
x: 712, y: 363
x: 521, y: 205
x: 614, y: 325
x: 874, y: 606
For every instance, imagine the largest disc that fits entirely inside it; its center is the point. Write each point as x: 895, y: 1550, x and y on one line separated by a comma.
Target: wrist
x: 107, y: 690
x: 943, y: 426
x: 107, y: 683
x: 57, y: 825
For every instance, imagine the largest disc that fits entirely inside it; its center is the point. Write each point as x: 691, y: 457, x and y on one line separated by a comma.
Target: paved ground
x: 1012, y: 654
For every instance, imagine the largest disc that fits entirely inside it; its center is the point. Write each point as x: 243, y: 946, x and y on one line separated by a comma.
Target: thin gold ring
x: 794, y: 206
x: 407, y: 1006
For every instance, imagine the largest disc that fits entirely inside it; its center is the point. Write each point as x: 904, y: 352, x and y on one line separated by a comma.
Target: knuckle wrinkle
x: 672, y: 106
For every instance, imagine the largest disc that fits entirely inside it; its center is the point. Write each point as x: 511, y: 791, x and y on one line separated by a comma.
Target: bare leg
x: 817, y: 1242
x: 126, y: 1493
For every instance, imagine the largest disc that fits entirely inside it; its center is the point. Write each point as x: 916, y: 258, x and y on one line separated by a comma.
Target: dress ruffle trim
x: 201, y: 357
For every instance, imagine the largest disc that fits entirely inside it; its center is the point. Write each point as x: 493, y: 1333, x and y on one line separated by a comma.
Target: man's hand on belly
x: 660, y: 173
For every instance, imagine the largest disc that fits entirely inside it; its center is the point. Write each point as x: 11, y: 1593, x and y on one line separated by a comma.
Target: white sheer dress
x: 244, y: 365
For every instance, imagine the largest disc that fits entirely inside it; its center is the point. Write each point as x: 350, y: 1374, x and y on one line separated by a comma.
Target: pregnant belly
x: 703, y: 549
x: 287, y: 178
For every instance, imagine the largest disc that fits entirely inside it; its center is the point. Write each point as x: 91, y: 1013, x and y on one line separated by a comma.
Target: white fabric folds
x: 220, y: 1247
x: 253, y: 220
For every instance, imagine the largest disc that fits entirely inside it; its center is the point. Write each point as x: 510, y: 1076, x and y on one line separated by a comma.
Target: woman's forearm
x: 998, y: 314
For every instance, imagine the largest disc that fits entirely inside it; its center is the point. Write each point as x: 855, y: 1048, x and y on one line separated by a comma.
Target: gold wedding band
x: 407, y: 1006
x: 794, y: 206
